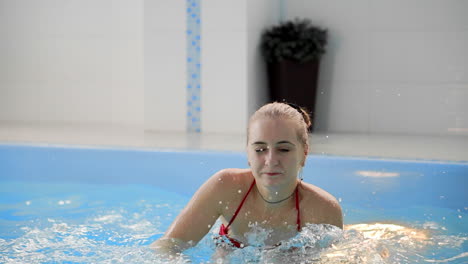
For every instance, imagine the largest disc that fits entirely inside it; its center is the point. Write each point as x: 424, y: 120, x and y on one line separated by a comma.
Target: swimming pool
x: 76, y: 204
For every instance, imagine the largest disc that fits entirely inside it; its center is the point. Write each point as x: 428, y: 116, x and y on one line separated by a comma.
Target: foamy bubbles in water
x: 306, y: 247
x: 357, y: 244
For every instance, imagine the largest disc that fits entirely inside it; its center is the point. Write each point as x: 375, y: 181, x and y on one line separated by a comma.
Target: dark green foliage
x: 296, y: 40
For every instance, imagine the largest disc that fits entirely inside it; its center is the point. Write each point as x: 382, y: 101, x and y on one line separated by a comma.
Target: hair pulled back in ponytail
x: 288, y: 111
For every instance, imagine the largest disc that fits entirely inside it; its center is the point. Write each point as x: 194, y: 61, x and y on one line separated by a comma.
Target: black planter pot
x: 295, y: 83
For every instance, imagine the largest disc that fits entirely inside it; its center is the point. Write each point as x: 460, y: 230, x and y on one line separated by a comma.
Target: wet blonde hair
x: 285, y: 111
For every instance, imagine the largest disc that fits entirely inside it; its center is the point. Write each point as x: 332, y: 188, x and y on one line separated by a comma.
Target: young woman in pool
x: 268, y: 195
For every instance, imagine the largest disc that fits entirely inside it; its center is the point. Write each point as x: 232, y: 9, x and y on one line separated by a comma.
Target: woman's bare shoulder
x: 227, y: 180
x: 234, y: 176
x: 231, y: 185
x: 325, y: 208
x: 311, y: 191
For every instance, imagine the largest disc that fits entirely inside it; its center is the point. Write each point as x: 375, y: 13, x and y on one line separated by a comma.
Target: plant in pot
x: 292, y: 51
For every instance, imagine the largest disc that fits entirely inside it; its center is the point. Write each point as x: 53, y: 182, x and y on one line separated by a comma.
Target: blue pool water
x: 83, y: 205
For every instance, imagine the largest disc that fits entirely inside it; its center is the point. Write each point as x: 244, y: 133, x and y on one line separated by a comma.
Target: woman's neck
x: 276, y: 197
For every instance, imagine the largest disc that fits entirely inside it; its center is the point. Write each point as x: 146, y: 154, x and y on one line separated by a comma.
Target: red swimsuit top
x: 223, y: 230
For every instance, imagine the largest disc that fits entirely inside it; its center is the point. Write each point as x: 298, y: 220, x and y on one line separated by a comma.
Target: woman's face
x: 275, y: 154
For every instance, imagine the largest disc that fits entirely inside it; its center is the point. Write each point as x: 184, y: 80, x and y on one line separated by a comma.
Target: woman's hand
x: 169, y: 248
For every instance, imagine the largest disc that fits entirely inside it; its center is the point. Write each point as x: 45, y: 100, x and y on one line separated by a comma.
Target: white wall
x: 71, y: 61
x: 260, y: 15
x: 224, y: 58
x: 121, y: 62
x: 234, y: 78
x: 165, y: 65
x: 392, y: 66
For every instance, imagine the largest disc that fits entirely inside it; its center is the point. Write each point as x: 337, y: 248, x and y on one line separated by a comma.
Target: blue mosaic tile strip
x: 193, y: 65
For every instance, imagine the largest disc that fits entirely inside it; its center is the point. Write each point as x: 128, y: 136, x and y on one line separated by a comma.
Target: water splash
x: 357, y: 244
x: 126, y: 239
x: 116, y: 227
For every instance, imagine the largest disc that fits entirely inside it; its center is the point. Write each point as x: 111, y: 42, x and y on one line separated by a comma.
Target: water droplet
x: 209, y: 226
x: 219, y: 178
x: 276, y: 193
x: 60, y: 202
x: 326, y: 136
x: 28, y: 203
x: 443, y: 218
x: 460, y: 216
x: 68, y: 202
x: 239, y: 191
x: 339, y: 200
x: 220, y: 202
x: 227, y: 208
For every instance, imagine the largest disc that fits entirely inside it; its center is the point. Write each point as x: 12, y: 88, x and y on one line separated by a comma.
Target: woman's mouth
x: 272, y: 173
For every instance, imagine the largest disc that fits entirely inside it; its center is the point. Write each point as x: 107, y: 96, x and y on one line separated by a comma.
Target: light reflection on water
x: 117, y: 226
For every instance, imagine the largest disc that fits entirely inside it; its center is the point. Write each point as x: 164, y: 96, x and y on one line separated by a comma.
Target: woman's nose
x: 271, y: 158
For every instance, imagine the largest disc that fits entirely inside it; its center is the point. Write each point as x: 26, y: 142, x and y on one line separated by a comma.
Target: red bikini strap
x: 298, y: 210
x: 240, y: 205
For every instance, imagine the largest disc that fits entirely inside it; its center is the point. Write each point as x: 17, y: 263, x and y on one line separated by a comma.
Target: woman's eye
x: 259, y: 150
x: 284, y: 150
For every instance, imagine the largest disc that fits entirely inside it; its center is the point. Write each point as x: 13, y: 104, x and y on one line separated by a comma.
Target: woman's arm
x: 196, y: 218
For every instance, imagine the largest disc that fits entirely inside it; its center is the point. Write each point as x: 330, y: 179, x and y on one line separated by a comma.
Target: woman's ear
x: 306, y: 152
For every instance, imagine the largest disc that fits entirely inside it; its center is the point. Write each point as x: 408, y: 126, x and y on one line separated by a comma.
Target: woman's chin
x: 273, y: 181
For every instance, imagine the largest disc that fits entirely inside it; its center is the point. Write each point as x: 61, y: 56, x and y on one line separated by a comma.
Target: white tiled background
x: 71, y: 61
x: 392, y: 66
x: 164, y: 65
